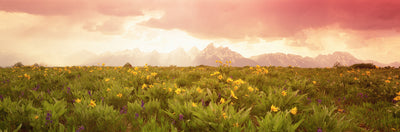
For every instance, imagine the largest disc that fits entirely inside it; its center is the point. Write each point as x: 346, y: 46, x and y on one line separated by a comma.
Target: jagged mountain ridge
x: 210, y: 54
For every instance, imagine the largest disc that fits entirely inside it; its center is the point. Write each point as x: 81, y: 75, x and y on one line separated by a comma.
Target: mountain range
x: 210, y: 54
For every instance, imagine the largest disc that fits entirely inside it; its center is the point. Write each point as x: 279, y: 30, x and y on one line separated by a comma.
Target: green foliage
x: 200, y: 98
x: 325, y: 119
x: 281, y: 121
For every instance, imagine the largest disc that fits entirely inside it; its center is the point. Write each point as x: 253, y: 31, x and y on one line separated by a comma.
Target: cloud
x: 113, y: 26
x: 232, y: 19
x: 260, y: 18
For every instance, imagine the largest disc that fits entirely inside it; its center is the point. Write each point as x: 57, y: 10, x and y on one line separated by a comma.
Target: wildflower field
x: 224, y: 98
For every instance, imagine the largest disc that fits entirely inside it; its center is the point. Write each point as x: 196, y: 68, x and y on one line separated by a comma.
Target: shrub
x: 363, y: 66
x: 128, y: 65
x: 18, y: 64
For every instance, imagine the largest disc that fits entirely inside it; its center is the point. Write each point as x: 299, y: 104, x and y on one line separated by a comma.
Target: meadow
x: 202, y: 98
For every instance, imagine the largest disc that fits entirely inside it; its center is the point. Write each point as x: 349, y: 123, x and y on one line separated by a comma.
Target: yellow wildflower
x: 148, y: 77
x: 284, y: 93
x: 250, y: 89
x: 178, y: 91
x: 92, y: 103
x: 224, y: 115
x: 134, y: 73
x: 220, y: 77
x: 236, y: 124
x: 235, y: 88
x: 314, y: 82
x: 119, y: 95
x: 78, y: 100
x: 154, y: 74
x: 229, y: 80
x: 222, y: 100
x: 274, y: 109
x: 293, y: 110
x: 136, y: 68
x: 194, y: 104
x: 199, y: 90
x: 341, y: 110
x: 398, y: 93
x: 103, y: 64
x: 387, y: 81
x: 144, y: 86
x: 233, y: 95
x: 355, y: 78
x: 397, y: 98
x: 151, y: 86
x: 108, y: 90
x: 107, y: 79
x: 36, y: 117
x: 169, y: 89
x: 239, y: 82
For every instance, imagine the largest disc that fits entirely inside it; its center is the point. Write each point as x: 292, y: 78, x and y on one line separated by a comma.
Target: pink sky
x: 368, y: 29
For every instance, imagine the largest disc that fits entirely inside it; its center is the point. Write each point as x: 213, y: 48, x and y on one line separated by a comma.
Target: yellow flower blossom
x: 199, y: 90
x: 355, y: 78
x: 235, y: 88
x: 398, y: 93
x: 284, y: 93
x: 229, y: 80
x: 36, y: 117
x: 239, y: 82
x: 222, y: 100
x: 108, y: 90
x: 387, y: 81
x: 341, y: 110
x: 236, y: 124
x: 136, y: 68
x: 233, y: 95
x: 274, y: 109
x: 220, y: 77
x: 224, y: 115
x: 293, y: 110
x: 119, y: 95
x: 194, y: 104
x: 92, y: 103
x: 78, y: 100
x: 169, y: 89
x: 250, y: 89
x: 178, y: 91
x: 107, y: 79
x: 153, y: 74
x: 314, y: 82
x: 144, y: 86
x: 397, y: 98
